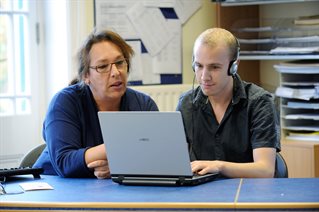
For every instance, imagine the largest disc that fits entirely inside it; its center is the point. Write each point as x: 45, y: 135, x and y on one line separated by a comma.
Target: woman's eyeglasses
x: 105, y: 68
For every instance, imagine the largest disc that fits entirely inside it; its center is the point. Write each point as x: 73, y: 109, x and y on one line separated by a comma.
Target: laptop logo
x: 144, y: 139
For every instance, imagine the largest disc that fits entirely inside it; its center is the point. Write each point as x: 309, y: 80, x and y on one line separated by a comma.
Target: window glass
x: 15, y: 88
x: 6, y: 106
x: 23, y: 106
x: 5, y: 5
x: 19, y: 5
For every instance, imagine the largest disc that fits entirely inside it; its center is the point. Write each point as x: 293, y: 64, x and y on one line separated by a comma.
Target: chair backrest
x: 281, y: 170
x: 31, y: 157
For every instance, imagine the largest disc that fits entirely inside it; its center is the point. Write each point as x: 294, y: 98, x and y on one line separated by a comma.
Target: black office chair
x: 31, y: 157
x: 281, y: 170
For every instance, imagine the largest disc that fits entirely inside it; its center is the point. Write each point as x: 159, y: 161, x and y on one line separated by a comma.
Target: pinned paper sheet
x: 35, y: 186
x: 151, y: 27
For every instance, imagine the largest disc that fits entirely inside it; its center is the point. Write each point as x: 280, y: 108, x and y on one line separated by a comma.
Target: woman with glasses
x: 71, y: 128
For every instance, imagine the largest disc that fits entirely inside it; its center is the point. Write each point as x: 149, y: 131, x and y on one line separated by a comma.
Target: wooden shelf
x: 247, y: 2
x: 279, y: 57
x: 226, y: 16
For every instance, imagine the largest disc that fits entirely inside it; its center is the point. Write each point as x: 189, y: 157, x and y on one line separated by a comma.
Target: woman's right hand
x: 101, y: 169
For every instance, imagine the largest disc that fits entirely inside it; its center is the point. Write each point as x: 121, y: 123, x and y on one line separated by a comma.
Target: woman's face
x: 108, y: 72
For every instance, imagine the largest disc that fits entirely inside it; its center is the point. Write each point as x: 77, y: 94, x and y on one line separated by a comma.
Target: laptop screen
x: 145, y: 143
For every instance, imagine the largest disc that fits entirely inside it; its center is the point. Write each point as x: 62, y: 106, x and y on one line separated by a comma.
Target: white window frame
x: 20, y: 132
x: 53, y: 62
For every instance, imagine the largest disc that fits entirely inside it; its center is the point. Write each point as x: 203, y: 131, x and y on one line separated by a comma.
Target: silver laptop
x: 148, y: 148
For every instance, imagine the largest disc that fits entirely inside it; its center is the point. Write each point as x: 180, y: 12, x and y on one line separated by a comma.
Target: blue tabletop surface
x: 221, y: 195
x: 279, y: 190
x: 93, y: 190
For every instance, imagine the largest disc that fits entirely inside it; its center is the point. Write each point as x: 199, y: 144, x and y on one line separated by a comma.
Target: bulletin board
x: 154, y: 30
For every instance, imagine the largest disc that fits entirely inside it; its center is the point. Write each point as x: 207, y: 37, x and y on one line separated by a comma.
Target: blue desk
x: 104, y: 195
x: 279, y: 193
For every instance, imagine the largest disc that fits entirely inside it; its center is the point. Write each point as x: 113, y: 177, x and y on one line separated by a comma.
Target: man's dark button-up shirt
x: 251, y: 121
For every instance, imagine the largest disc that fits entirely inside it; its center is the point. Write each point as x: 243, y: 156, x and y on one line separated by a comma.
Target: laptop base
x: 164, y: 181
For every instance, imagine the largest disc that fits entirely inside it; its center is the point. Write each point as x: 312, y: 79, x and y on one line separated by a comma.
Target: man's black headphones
x: 233, y: 65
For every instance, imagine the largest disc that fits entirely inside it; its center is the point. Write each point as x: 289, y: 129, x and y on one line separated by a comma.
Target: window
x: 15, y: 86
x: 20, y: 79
x: 32, y: 68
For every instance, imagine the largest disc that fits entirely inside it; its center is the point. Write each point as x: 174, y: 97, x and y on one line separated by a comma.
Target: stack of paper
x: 307, y: 20
x: 305, y: 105
x: 303, y: 116
x: 302, y: 93
x: 305, y: 93
x: 299, y: 91
x: 299, y: 67
x: 294, y: 50
x: 312, y: 136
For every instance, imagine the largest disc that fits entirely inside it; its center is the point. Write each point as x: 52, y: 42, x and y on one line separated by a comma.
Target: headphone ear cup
x: 233, y: 68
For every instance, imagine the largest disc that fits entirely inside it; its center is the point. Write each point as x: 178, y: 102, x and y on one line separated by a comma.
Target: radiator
x: 165, y: 96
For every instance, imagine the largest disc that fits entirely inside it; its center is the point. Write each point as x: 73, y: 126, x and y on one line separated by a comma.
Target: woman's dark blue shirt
x: 71, y: 127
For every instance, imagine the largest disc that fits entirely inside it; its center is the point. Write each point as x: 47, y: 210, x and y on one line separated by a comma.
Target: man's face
x: 211, y: 68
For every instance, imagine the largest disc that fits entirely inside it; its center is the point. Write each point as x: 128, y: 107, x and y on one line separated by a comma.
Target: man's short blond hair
x: 217, y: 36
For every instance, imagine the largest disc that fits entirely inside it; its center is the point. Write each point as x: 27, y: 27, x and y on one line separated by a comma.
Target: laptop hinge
x: 145, y: 181
x: 149, y: 182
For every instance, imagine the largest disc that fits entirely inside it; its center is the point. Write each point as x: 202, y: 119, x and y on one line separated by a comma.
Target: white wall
x: 203, y: 19
x: 66, y: 27
x: 56, y: 46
